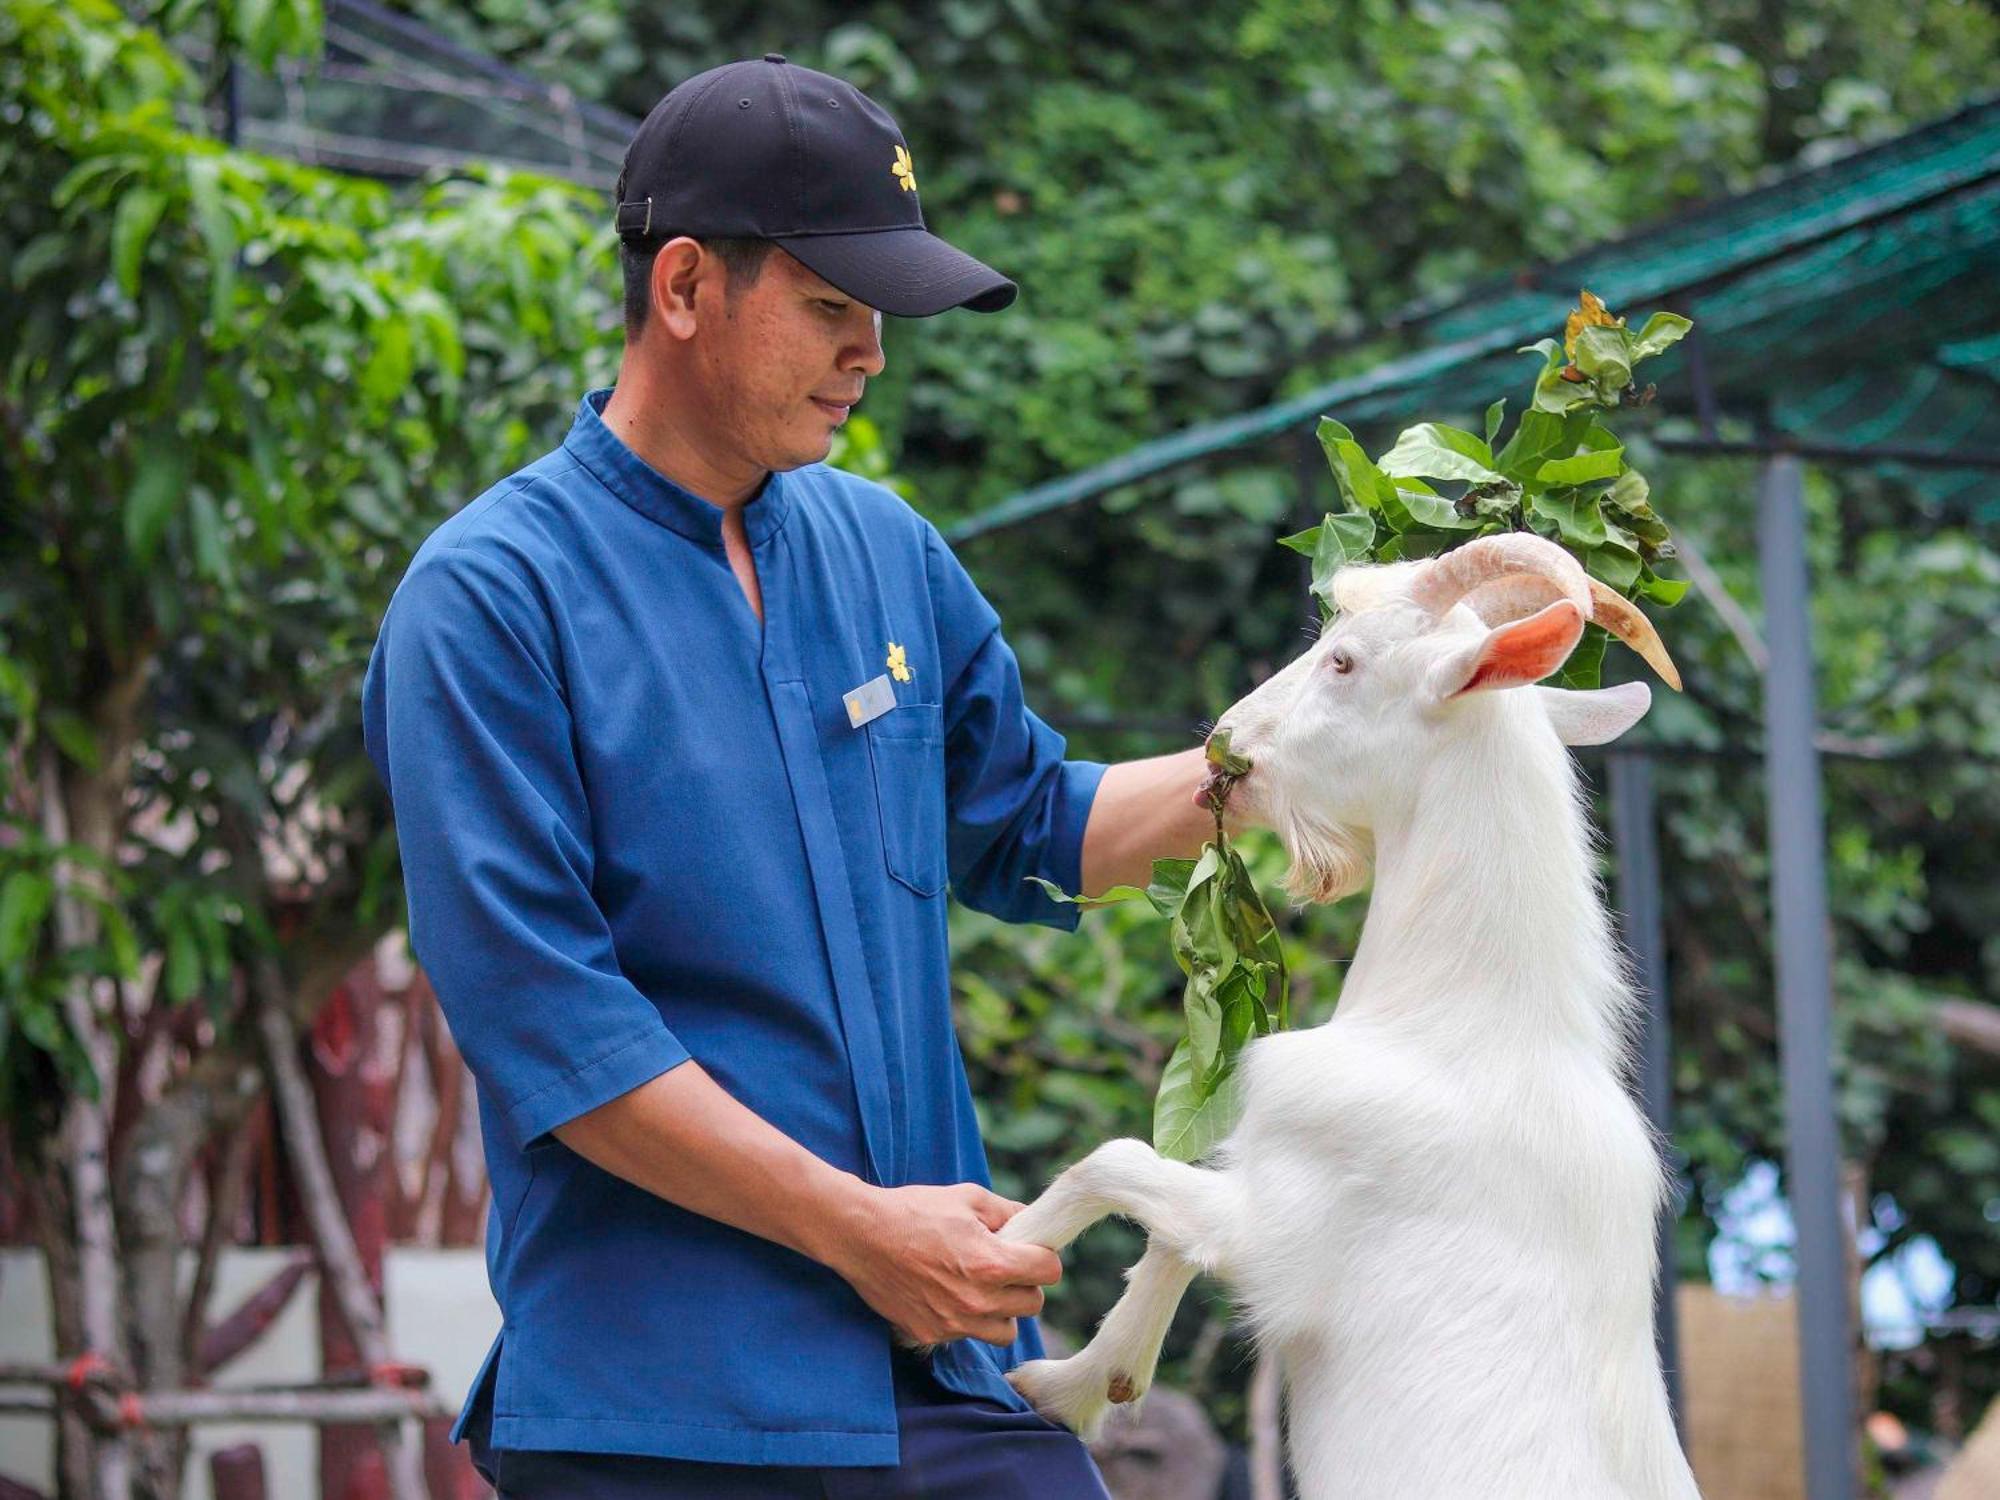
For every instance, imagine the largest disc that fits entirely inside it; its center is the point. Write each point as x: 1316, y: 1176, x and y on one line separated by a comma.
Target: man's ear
x: 1597, y: 717
x: 678, y: 269
x: 1511, y: 655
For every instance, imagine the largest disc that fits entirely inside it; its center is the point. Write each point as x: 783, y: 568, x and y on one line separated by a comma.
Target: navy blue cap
x: 772, y: 151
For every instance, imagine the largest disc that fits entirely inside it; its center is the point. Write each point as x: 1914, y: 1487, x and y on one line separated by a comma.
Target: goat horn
x: 1502, y: 578
x: 1628, y: 622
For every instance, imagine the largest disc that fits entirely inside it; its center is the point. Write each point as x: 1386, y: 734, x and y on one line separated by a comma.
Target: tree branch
x: 1970, y: 1024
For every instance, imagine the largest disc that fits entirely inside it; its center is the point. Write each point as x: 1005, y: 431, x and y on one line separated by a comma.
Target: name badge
x: 870, y: 701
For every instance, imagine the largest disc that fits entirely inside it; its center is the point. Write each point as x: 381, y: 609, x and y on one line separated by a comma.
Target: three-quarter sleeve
x: 470, y: 728
x: 1014, y: 806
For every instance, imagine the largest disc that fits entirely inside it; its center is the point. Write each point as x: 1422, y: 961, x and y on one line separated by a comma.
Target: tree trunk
x: 85, y: 1142
x: 356, y: 1044
x: 154, y: 1168
x: 340, y: 1261
x: 48, y: 1182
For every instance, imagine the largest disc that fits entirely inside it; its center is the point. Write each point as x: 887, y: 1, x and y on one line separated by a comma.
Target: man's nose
x: 865, y: 353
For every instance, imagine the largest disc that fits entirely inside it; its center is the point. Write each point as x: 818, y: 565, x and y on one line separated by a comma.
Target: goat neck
x: 1486, y: 920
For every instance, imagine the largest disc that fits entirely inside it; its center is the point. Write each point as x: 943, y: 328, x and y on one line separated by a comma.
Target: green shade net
x: 1855, y: 305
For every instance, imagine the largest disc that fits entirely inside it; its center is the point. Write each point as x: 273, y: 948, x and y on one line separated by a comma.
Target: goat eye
x: 1341, y: 662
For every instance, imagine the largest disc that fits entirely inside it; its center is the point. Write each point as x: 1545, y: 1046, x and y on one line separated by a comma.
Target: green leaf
x: 1535, y: 437
x: 1361, y: 483
x: 1405, y: 509
x: 183, y: 969
x: 1225, y: 760
x: 138, y: 212
x: 158, y: 488
x: 1668, y: 591
x: 1495, y: 414
x: 211, y: 557
x: 1430, y: 450
x: 218, y: 231
x: 1631, y: 494
x: 1553, y: 394
x: 1604, y: 355
x: 1169, y: 885
x: 1614, y: 562
x: 1111, y: 897
x: 1306, y: 541
x: 1187, y: 1125
x: 73, y: 736
x: 24, y: 900
x: 1576, y: 517
x: 1585, y: 668
x: 1356, y: 532
x: 389, y: 363
x: 1604, y: 463
x: 1340, y: 539
x: 1662, y: 330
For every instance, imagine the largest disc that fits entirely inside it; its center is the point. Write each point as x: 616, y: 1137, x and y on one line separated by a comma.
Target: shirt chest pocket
x: 906, y: 750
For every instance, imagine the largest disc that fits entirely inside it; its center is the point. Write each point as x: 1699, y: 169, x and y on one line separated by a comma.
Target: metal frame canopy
x: 1853, y: 310
x: 1851, y: 314
x: 391, y: 97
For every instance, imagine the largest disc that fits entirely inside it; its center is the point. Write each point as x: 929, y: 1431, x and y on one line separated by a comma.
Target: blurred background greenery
x: 238, y: 390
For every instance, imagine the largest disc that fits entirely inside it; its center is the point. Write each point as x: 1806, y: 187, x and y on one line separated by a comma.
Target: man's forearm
x: 684, y: 1137
x: 926, y: 1258
x: 1144, y: 810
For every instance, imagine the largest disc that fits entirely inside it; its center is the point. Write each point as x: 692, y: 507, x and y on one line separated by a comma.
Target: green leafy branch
x: 1238, y: 985
x: 1561, y: 474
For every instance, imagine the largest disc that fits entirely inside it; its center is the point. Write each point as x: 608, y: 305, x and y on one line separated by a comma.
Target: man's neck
x: 647, y: 420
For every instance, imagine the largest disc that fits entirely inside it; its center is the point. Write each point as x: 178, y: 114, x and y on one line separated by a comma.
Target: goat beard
x: 1329, y: 860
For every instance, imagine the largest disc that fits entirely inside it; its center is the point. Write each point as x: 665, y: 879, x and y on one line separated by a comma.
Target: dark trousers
x: 954, y: 1448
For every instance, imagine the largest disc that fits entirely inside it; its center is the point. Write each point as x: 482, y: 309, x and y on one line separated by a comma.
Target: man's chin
x: 807, y: 453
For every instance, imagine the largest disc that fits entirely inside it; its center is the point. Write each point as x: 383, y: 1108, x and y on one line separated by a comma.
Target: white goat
x: 1439, y: 1207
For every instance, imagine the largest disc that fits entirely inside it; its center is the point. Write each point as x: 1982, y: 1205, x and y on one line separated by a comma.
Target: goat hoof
x: 1064, y: 1392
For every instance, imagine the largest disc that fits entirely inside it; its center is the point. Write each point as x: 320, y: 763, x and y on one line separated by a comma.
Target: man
x: 687, y: 735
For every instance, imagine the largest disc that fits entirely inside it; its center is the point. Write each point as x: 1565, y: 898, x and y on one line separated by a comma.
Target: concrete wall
x: 440, y: 1315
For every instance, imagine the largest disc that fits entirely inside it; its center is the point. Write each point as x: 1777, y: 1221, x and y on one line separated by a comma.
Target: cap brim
x: 910, y: 273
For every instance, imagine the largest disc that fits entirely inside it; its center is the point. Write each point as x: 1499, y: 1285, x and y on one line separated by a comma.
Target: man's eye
x: 832, y: 306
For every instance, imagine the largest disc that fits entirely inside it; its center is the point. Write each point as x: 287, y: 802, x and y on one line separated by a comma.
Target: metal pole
x: 1805, y: 988
x: 1634, y: 835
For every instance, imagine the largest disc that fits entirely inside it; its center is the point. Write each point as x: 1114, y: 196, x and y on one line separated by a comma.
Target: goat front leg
x: 1188, y: 1209
x: 1185, y: 1213
x: 1117, y: 1365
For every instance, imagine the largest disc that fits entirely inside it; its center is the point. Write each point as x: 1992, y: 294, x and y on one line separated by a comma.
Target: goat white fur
x: 1439, y: 1207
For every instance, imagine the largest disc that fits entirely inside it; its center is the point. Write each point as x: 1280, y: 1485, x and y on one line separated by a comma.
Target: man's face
x: 784, y: 358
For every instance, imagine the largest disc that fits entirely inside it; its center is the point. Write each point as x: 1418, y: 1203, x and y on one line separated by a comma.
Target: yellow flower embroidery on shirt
x: 898, y: 667
x: 906, y: 172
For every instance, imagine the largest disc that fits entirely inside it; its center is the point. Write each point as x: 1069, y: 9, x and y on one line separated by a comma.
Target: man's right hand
x: 929, y: 1261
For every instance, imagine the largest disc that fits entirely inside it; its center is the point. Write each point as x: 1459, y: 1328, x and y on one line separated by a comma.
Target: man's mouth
x: 838, y: 410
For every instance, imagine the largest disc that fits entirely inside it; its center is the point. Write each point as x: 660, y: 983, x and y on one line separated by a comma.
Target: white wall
x: 441, y: 1315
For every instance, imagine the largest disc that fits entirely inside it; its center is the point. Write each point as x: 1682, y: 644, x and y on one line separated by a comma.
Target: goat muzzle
x: 1215, y: 789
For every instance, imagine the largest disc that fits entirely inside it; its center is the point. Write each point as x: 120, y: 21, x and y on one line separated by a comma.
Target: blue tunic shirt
x: 637, y: 826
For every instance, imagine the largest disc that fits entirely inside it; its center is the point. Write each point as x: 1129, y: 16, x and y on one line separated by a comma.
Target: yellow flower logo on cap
x: 905, y: 172
x: 898, y: 667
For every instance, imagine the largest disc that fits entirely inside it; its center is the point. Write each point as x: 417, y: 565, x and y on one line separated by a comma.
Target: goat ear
x: 1597, y: 717
x: 1512, y: 655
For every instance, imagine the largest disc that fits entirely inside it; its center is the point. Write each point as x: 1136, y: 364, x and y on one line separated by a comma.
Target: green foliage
x: 1562, y: 475
x: 1226, y: 943
x: 236, y: 391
